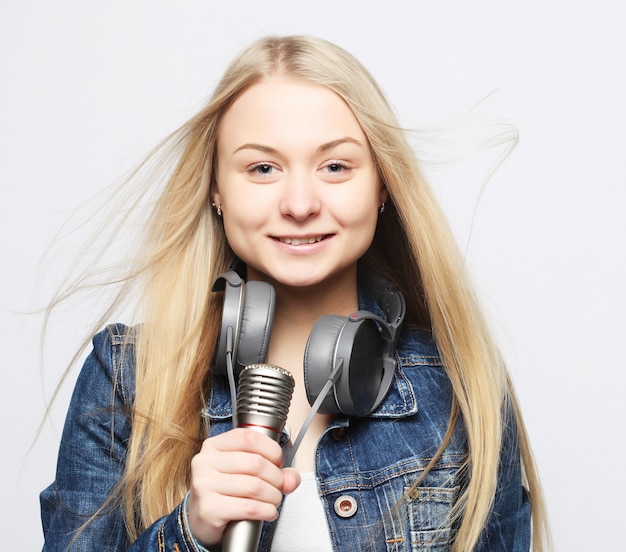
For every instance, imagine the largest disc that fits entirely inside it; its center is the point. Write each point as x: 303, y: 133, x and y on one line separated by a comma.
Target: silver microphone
x: 263, y: 398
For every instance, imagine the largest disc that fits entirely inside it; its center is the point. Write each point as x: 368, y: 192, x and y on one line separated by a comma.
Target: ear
x: 214, y: 189
x: 384, y: 193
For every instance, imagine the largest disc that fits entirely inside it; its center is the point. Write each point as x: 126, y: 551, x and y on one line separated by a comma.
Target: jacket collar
x: 399, y: 402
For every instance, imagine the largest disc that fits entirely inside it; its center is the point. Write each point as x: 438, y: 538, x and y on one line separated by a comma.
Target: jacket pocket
x: 429, y: 517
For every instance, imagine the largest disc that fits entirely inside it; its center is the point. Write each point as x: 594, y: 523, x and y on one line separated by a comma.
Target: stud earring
x: 381, y: 209
x: 218, y: 209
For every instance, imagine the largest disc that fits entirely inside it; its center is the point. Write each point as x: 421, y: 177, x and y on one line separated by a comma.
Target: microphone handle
x: 262, y: 405
x: 242, y: 536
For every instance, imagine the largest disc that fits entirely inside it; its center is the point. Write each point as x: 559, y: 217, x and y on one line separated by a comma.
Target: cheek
x: 237, y: 225
x: 368, y: 228
x: 359, y: 222
x: 242, y: 207
x: 237, y: 238
x: 357, y: 209
x: 243, y: 217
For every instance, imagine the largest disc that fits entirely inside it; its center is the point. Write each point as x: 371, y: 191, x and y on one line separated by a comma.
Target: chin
x: 300, y: 282
x: 311, y: 279
x: 304, y: 275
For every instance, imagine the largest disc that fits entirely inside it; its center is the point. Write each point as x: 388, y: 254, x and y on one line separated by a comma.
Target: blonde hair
x: 185, y: 249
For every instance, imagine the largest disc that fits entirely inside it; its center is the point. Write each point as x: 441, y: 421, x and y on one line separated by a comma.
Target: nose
x: 300, y: 198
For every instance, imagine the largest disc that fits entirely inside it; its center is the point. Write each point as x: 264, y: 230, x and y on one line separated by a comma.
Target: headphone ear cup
x: 358, y: 344
x: 362, y: 376
x: 319, y: 360
x: 257, y: 317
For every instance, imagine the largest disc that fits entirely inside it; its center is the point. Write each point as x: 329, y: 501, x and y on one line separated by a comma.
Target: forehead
x: 284, y: 109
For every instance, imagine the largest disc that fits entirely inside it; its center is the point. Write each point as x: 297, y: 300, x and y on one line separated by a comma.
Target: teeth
x: 300, y: 241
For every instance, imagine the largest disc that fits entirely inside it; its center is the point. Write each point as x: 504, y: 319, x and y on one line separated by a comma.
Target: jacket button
x: 337, y: 433
x: 345, y: 506
x: 414, y: 493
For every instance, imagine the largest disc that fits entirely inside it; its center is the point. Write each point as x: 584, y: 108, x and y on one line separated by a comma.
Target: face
x: 296, y: 183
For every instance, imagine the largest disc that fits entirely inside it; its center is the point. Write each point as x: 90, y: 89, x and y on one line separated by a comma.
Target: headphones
x: 348, y: 361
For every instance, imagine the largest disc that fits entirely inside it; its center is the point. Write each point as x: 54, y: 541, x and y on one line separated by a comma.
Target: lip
x: 302, y: 240
x: 304, y: 244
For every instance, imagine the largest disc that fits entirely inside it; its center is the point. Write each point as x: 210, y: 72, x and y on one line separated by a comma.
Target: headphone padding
x: 257, y: 317
x: 319, y: 359
x: 358, y: 344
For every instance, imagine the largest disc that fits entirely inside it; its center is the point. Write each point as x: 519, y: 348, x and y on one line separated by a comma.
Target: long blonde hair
x: 185, y: 249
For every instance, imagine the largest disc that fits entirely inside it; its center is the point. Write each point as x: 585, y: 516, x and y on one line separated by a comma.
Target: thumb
x: 291, y: 480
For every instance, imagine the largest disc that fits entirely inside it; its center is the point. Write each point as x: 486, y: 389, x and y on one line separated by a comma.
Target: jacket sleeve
x: 508, y: 527
x: 91, y: 463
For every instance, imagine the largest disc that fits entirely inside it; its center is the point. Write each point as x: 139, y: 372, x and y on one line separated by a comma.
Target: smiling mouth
x: 302, y: 241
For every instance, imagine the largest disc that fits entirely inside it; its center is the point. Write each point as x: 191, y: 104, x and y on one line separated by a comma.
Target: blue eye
x: 262, y: 169
x: 335, y: 167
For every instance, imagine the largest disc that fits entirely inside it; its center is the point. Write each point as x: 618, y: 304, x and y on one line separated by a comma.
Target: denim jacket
x: 363, y: 466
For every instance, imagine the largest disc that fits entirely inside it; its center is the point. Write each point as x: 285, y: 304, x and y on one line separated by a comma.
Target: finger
x: 246, y: 440
x: 291, y: 480
x: 216, y: 465
x: 247, y: 487
x: 209, y: 518
x: 235, y: 509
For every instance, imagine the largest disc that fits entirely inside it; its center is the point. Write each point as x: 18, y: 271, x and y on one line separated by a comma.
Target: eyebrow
x: 324, y: 147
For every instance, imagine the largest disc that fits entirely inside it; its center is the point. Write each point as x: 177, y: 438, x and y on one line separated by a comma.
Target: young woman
x: 297, y: 176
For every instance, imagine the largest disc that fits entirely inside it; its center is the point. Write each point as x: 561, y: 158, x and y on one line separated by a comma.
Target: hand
x: 235, y: 476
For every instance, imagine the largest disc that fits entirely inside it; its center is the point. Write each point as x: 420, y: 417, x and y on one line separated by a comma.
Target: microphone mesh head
x: 265, y: 389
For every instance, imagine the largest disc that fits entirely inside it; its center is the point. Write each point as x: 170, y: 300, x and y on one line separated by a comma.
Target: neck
x: 302, y: 306
x: 297, y: 310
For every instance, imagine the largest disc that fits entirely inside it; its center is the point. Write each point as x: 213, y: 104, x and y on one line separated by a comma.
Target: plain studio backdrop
x: 88, y: 88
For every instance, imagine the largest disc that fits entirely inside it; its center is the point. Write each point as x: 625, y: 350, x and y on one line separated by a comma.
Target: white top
x: 302, y: 523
